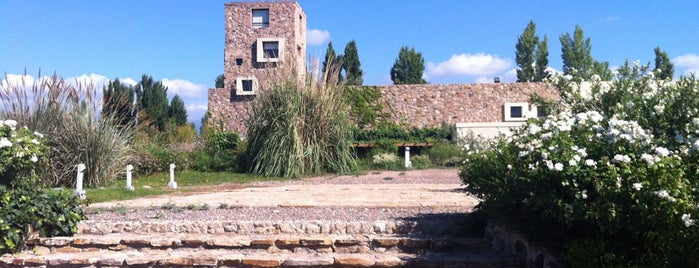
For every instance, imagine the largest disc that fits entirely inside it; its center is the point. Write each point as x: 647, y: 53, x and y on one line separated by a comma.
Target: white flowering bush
x: 613, y: 177
x: 21, y: 152
x: 384, y: 160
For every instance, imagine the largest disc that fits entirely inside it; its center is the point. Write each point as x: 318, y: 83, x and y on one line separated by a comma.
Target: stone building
x: 268, y: 38
x: 263, y: 40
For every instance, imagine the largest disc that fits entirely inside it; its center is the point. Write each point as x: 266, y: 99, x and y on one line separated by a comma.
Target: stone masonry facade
x: 418, y: 105
x: 279, y: 29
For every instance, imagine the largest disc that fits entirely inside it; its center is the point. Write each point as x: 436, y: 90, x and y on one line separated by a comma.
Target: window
x: 260, y: 18
x: 541, y: 111
x: 516, y: 111
x: 245, y: 86
x: 270, y: 49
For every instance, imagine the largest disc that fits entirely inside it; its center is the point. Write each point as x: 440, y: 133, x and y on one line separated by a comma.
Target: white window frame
x: 239, y: 86
x: 260, y: 18
x: 261, y: 52
x: 508, y: 111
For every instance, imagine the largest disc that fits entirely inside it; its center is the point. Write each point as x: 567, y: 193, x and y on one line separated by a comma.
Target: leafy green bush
x: 617, y: 166
x: 21, y: 152
x: 385, y: 160
x: 398, y: 133
x: 219, y: 152
x: 421, y: 161
x: 446, y: 154
x: 297, y: 129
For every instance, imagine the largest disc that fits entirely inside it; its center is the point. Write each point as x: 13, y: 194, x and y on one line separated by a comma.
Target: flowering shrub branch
x: 617, y: 166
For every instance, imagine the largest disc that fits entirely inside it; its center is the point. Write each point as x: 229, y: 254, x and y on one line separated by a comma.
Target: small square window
x: 516, y: 111
x: 260, y: 18
x: 542, y: 111
x: 270, y: 49
x: 238, y: 61
x: 245, y: 86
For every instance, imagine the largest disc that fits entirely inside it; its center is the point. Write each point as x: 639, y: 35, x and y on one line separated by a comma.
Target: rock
x: 263, y: 261
x: 355, y: 260
x: 309, y: 261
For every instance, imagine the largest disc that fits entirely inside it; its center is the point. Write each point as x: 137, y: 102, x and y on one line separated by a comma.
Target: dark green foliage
x: 118, y: 101
x: 531, y: 56
x: 220, y: 81
x: 576, y: 53
x: 396, y: 133
x: 408, y: 67
x: 152, y: 100
x: 299, y: 129
x: 219, y: 153
x: 366, y: 107
x: 332, y: 60
x: 663, y: 66
x: 542, y: 61
x: 525, y: 55
x: 445, y: 154
x: 51, y: 213
x: 602, y: 69
x: 351, y: 65
x: 177, y: 112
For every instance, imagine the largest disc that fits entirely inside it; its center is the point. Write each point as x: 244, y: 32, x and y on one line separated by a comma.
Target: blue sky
x: 181, y: 42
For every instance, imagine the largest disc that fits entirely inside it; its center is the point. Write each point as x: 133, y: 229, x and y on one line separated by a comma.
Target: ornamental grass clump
x: 611, y: 178
x: 299, y: 127
x: 68, y: 114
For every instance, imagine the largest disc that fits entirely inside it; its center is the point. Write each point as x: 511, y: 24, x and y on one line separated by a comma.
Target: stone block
x: 309, y: 261
x: 390, y: 261
x: 263, y: 261
x: 355, y: 260
x: 230, y: 259
x: 316, y: 242
x: 386, y: 242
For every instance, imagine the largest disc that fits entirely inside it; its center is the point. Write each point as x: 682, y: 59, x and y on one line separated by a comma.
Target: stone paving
x: 312, y: 195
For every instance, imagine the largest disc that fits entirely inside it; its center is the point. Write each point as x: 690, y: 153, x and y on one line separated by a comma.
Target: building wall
x: 418, y: 105
x: 286, y: 21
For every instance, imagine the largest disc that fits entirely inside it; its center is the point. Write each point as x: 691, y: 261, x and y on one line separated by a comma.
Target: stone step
x: 262, y: 243
x: 231, y: 258
x: 436, y: 227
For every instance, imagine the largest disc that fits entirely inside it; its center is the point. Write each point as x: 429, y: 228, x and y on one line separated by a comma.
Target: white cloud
x: 478, y: 65
x: 128, y: 81
x: 196, y: 111
x: 184, y: 88
x: 91, y: 81
x: 316, y: 37
x: 689, y: 63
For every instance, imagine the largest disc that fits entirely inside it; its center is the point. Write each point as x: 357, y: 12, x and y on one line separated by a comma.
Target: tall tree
x: 351, y: 65
x: 152, y: 99
x: 663, y: 64
x: 408, y: 68
x: 602, y: 69
x: 576, y: 54
x: 331, y: 58
x: 542, y: 60
x: 220, y: 81
x: 118, y: 101
x: 525, y: 55
x: 177, y: 112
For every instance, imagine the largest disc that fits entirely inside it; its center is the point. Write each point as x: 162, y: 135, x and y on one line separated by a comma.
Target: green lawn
x: 158, y: 184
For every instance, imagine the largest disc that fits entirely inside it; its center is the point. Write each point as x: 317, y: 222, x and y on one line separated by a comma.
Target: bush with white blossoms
x: 384, y: 160
x: 613, y: 177
x: 22, y: 151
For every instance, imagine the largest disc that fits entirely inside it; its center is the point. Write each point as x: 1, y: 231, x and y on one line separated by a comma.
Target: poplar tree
x: 331, y: 58
x: 408, y: 67
x: 351, y: 65
x: 542, y: 61
x: 663, y: 64
x: 525, y: 55
x: 576, y: 54
x: 177, y: 111
x: 118, y: 101
x: 152, y: 102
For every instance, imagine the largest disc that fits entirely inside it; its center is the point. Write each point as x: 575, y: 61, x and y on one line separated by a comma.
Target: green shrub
x: 385, y: 160
x: 21, y: 152
x: 219, y: 152
x: 297, y: 129
x: 616, y: 167
x: 421, y: 161
x: 446, y: 154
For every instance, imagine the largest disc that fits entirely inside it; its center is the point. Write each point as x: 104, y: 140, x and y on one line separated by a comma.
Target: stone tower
x: 263, y: 39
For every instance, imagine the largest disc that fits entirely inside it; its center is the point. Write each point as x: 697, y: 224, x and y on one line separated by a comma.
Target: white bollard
x: 408, y: 164
x: 129, y: 187
x: 172, y: 184
x: 79, y: 192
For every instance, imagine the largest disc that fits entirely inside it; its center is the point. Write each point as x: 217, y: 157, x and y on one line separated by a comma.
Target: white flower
x: 38, y: 134
x: 687, y: 219
x: 590, y: 163
x: 664, y: 194
x: 650, y: 159
x: 4, y: 142
x: 549, y: 164
x: 34, y: 158
x: 584, y: 194
x: 558, y: 167
x: 572, y: 162
x: 11, y: 123
x: 638, y: 186
x: 621, y: 158
x: 659, y: 108
x: 34, y: 141
x: 662, y: 151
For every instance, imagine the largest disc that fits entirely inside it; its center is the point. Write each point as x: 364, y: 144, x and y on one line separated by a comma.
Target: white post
x: 407, y: 157
x: 172, y: 184
x: 79, y: 192
x: 129, y: 187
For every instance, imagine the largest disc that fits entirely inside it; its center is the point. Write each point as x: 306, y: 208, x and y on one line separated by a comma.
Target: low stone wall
x: 418, y: 105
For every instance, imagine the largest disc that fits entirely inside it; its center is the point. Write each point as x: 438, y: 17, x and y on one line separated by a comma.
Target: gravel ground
x: 439, y: 176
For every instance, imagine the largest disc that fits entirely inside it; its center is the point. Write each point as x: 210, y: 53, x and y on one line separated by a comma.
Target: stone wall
x: 417, y: 105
